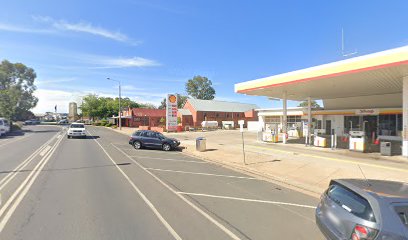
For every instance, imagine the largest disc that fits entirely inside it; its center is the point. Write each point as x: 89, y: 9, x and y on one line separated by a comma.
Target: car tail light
x: 363, y: 233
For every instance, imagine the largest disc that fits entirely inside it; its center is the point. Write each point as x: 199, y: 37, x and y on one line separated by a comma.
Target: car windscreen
x: 351, y: 202
x: 77, y: 126
x: 402, y: 212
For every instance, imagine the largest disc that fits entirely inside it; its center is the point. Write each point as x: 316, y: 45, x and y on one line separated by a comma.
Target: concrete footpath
x: 308, y: 169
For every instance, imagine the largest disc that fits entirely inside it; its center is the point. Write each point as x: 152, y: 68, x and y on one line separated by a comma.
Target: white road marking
x: 198, y: 173
x: 14, y: 172
x: 59, y: 136
x: 24, y: 187
x: 206, y: 215
x: 170, y: 159
x: 15, y: 140
x: 248, y: 200
x: 46, y: 149
x: 141, y: 194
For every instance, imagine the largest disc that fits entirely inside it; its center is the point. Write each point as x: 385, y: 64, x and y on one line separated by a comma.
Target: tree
x: 90, y: 106
x: 305, y: 104
x: 181, y: 100
x: 148, y: 105
x: 16, y: 90
x: 200, y: 87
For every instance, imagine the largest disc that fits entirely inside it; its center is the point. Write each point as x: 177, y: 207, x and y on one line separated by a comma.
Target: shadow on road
x: 68, y: 169
x: 86, y: 137
x: 275, y: 160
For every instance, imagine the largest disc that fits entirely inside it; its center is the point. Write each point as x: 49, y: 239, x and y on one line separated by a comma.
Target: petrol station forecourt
x: 365, y: 89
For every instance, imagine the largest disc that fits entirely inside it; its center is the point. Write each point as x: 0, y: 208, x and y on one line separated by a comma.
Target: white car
x: 76, y: 130
x: 4, y: 126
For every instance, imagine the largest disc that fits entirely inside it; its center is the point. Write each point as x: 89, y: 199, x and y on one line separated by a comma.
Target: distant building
x: 136, y: 117
x: 73, y: 111
x: 196, y: 111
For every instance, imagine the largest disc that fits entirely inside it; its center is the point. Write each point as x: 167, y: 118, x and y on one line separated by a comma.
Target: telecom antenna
x: 342, y: 46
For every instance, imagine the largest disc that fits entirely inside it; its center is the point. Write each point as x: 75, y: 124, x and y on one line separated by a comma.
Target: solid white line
x: 198, y: 173
x: 46, y: 149
x: 24, y: 187
x: 4, y: 181
x: 247, y: 200
x: 145, y: 199
x: 171, y: 159
x: 206, y: 215
x: 15, y: 140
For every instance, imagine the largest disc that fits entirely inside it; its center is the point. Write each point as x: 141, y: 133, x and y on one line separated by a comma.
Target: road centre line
x: 198, y: 173
x: 141, y: 194
x: 25, y: 187
x: 248, y: 200
x: 336, y: 159
x: 4, y: 181
x: 46, y: 149
x: 199, y: 210
x: 171, y: 159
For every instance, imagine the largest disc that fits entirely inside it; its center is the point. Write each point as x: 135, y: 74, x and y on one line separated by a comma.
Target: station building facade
x: 368, y: 93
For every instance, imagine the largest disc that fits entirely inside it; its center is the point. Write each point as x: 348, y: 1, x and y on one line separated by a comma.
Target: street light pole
x: 120, y: 109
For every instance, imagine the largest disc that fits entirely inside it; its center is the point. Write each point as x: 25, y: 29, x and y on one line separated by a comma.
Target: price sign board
x: 171, y: 112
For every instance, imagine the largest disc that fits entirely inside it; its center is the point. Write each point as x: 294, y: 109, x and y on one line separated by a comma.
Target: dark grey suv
x: 361, y: 209
x: 151, y: 139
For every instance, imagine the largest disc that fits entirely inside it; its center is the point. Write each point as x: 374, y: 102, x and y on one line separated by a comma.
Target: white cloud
x: 48, y: 98
x: 86, y: 27
x: 55, y: 80
x: 20, y: 29
x: 108, y: 62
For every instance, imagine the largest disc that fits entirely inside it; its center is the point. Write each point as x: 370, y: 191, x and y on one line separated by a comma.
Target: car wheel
x: 68, y: 136
x: 137, y: 145
x: 166, y: 147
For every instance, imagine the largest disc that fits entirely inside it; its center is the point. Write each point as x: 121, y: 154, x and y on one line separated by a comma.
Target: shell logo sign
x: 171, y: 112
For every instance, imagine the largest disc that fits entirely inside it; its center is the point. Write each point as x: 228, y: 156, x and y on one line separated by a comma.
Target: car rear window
x: 402, y: 212
x: 77, y: 126
x: 351, y: 202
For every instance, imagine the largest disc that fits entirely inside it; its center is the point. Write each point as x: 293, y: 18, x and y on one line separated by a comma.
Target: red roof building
x: 135, y: 117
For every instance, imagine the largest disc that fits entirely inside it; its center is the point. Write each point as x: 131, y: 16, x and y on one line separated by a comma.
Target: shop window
x: 351, y: 120
x: 399, y: 122
x: 294, y: 119
x: 272, y: 119
x: 388, y: 125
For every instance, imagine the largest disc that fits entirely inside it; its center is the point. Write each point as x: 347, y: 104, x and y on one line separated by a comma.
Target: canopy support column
x: 405, y: 116
x: 285, y: 117
x: 309, y: 120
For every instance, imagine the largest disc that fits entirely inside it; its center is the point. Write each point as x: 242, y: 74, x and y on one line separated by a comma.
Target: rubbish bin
x: 385, y: 149
x: 201, y: 144
x: 390, y: 149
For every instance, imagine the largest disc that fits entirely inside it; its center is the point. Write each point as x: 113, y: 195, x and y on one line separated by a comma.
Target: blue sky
x: 155, y: 46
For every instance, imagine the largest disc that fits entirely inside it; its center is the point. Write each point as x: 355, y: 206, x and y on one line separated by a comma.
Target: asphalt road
x: 101, y: 188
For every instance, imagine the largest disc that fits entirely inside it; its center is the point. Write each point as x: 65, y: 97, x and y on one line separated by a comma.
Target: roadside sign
x: 241, y: 125
x: 171, y: 112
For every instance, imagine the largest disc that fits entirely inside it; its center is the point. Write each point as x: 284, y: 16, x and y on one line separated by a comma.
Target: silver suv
x: 360, y: 209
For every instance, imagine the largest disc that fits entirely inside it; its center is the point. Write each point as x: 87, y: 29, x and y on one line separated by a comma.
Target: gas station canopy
x: 374, y: 74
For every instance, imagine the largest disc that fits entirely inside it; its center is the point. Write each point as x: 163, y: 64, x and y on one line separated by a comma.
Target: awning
x: 374, y: 74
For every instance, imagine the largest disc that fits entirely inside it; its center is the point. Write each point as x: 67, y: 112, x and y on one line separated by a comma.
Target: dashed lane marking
x: 199, y: 173
x: 247, y: 200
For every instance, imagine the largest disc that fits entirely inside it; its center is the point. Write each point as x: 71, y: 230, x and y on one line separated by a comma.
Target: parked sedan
x: 151, y: 139
x: 360, y: 209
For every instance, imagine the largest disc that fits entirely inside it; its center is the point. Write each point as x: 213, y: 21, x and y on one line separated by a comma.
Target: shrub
x: 15, y: 127
x: 114, y: 126
x: 108, y: 124
x: 104, y: 122
x: 97, y: 124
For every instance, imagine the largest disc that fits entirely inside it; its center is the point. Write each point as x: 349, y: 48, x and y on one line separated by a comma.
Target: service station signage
x: 367, y: 111
x: 171, y: 112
